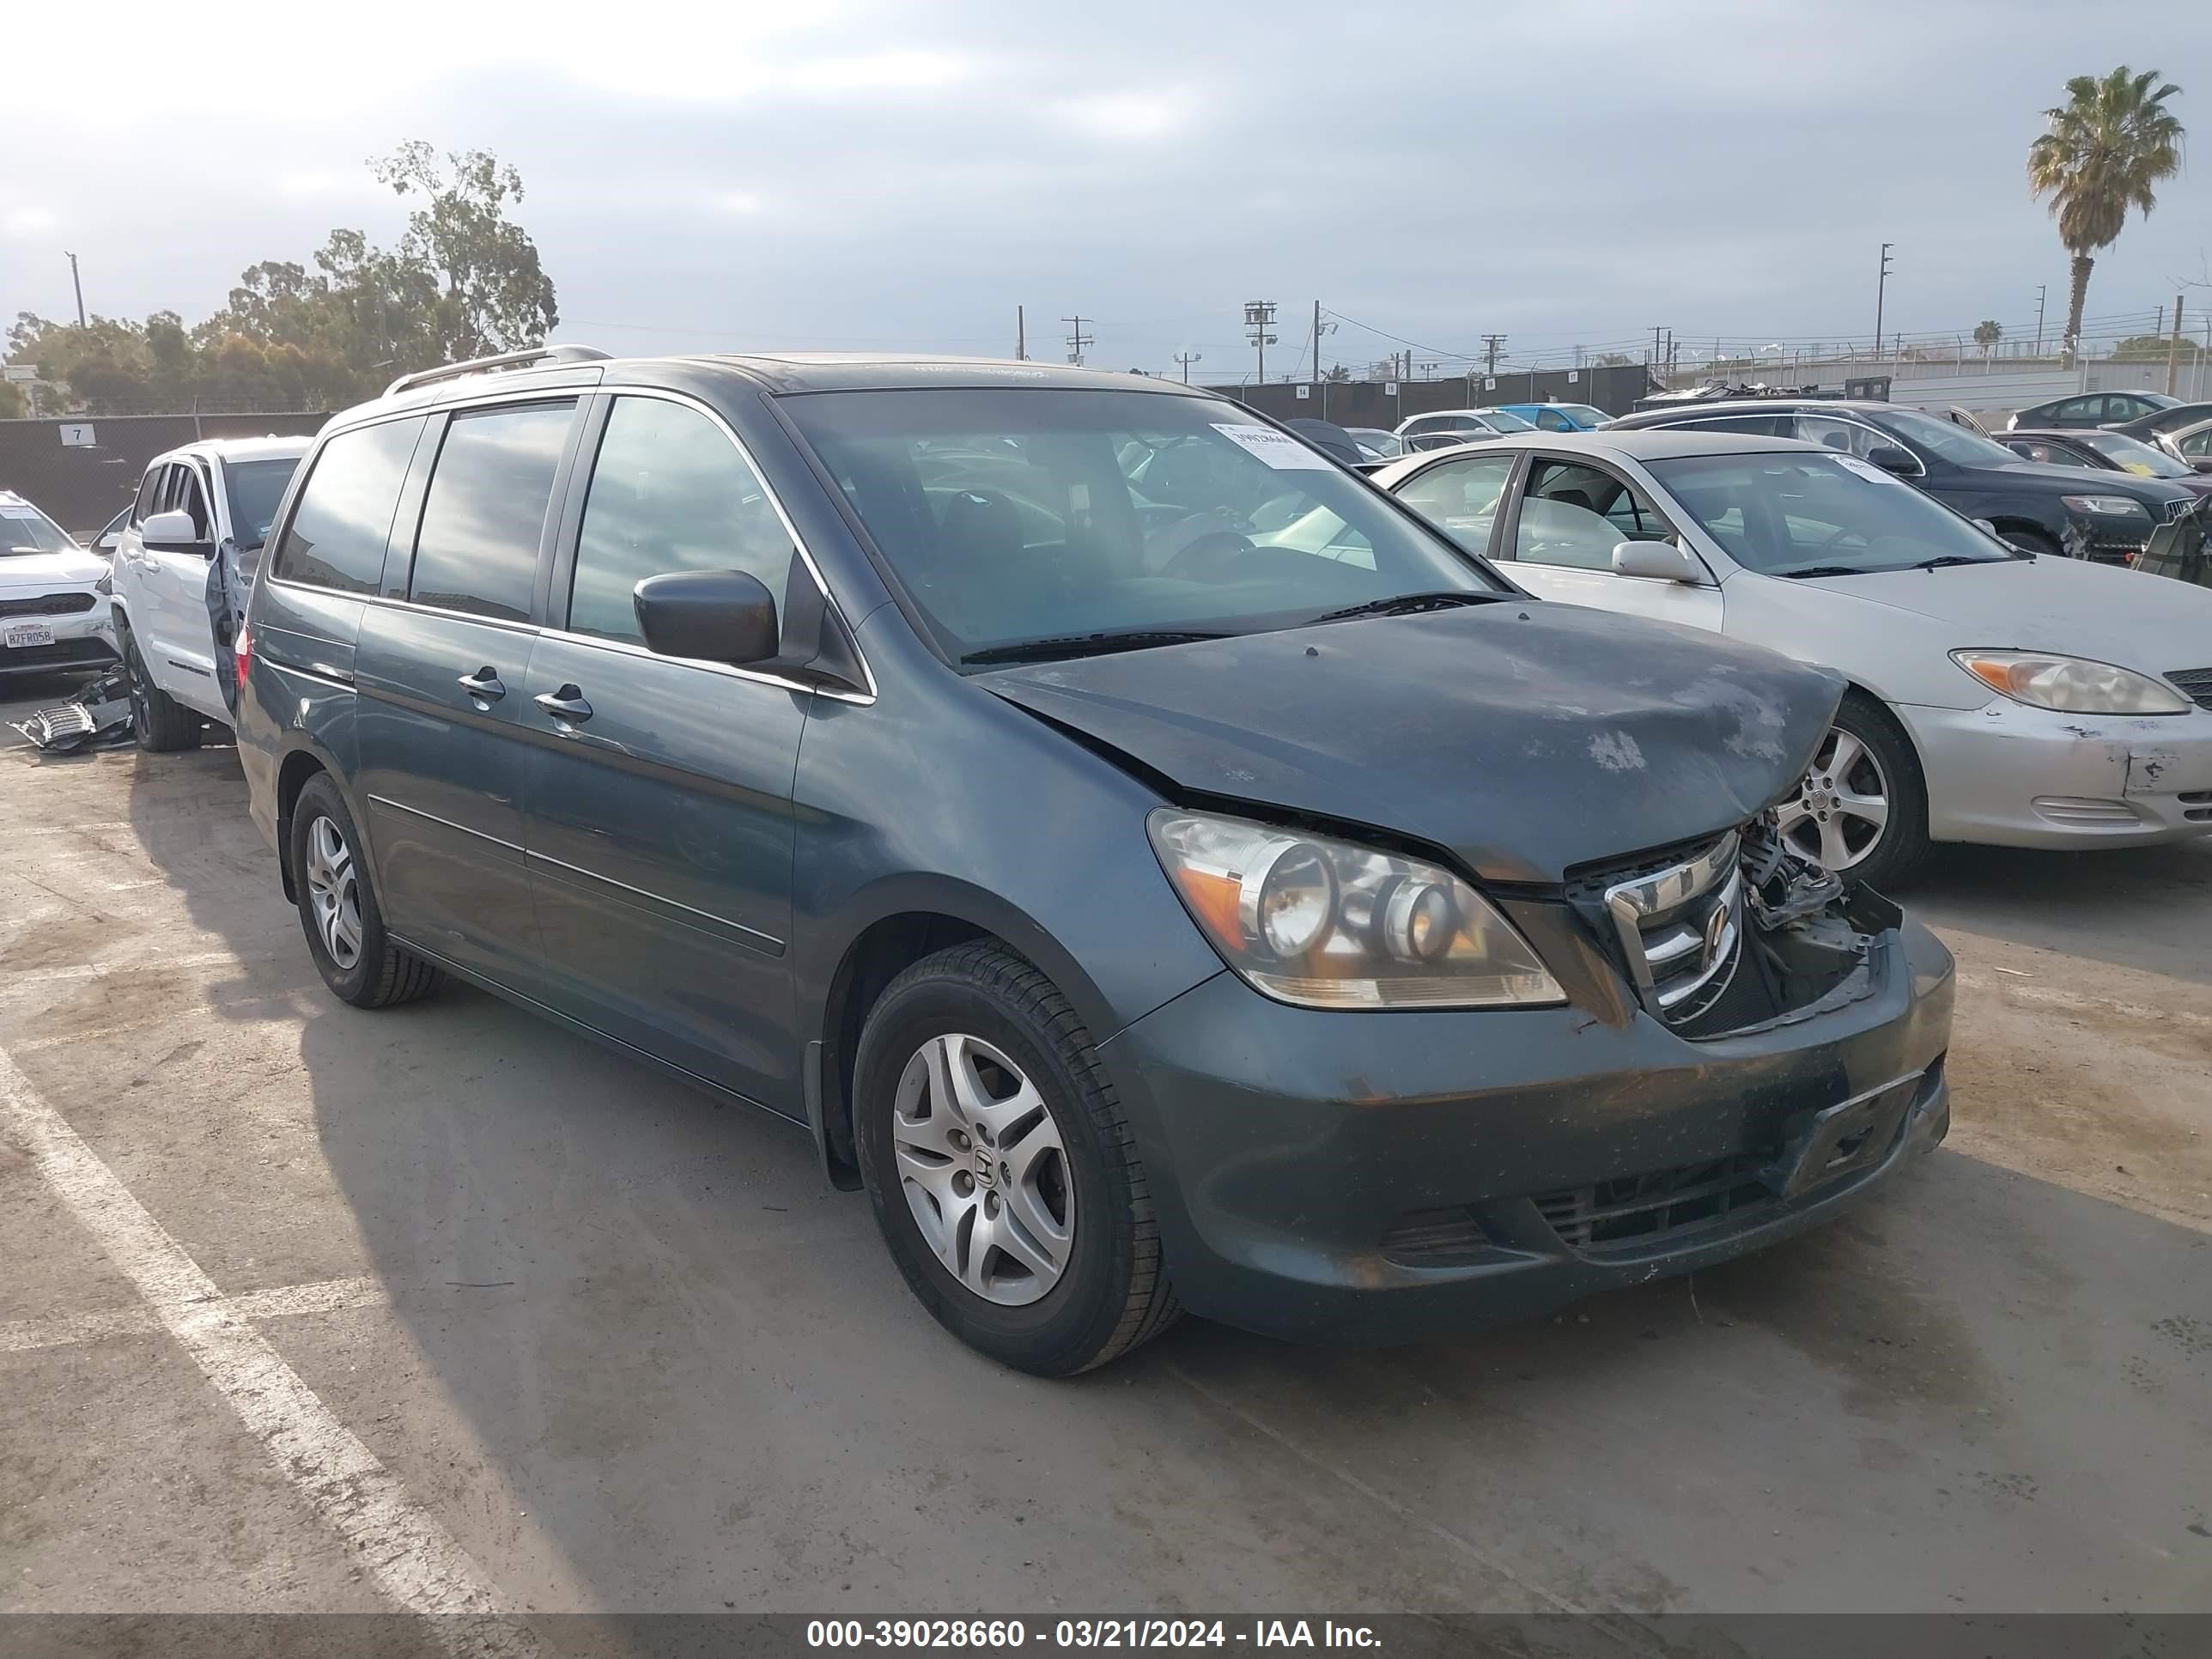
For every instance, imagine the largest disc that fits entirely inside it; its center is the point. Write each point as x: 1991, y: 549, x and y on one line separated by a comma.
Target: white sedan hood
x: 2154, y: 624
x: 46, y: 572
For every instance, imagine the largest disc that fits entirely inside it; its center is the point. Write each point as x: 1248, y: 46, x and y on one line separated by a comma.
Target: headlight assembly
x: 2070, y: 685
x: 1326, y: 924
x: 2117, y: 507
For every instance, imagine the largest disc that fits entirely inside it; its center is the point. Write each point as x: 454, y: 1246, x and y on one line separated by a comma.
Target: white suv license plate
x: 20, y: 635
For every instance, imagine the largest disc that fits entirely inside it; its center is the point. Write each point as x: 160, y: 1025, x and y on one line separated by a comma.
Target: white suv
x: 53, y: 596
x: 184, y: 559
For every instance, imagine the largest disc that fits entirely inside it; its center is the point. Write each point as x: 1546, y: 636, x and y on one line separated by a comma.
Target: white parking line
x: 413, y: 1559
x: 284, y: 1302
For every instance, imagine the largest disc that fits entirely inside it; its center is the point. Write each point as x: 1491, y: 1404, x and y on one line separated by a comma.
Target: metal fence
x: 82, y: 471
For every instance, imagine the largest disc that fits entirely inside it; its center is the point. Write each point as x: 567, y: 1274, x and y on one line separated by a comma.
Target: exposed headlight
x: 2110, y: 505
x: 2071, y: 685
x: 1326, y: 924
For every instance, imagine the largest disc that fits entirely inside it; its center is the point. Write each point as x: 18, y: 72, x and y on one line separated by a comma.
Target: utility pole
x: 1259, y: 325
x: 1187, y: 358
x: 1320, y: 328
x: 1021, y: 338
x: 1490, y: 344
x: 1880, y: 292
x: 1655, y: 332
x: 2041, y: 288
x: 78, y: 283
x: 1078, y: 342
x: 2174, y: 348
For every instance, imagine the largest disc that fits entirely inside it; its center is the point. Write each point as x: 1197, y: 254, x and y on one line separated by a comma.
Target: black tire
x: 160, y: 724
x: 2034, y: 540
x: 1113, y: 1293
x: 1902, y: 847
x: 381, y: 973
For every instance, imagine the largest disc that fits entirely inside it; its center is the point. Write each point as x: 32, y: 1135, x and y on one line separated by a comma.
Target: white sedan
x: 1995, y: 697
x: 53, y: 596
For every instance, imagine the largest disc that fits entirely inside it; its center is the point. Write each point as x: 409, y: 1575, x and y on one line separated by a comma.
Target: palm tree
x: 1987, y: 333
x: 2111, y: 143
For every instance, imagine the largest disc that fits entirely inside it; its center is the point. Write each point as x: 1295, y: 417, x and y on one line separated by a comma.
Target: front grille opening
x: 1632, y: 1212
x: 48, y: 604
x: 2195, y: 684
x: 1435, y: 1238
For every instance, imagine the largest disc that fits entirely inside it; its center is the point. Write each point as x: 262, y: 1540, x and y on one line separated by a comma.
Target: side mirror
x: 1988, y: 530
x: 174, y: 532
x: 715, y: 616
x: 2202, y: 463
x: 1895, y: 458
x: 1660, y: 561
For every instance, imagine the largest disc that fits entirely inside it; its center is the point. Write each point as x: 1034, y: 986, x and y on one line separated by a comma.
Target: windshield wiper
x: 1943, y: 559
x: 1086, y: 645
x: 1406, y: 604
x: 1827, y: 570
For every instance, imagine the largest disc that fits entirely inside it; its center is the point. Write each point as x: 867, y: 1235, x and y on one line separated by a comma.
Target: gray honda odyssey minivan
x: 1158, y: 867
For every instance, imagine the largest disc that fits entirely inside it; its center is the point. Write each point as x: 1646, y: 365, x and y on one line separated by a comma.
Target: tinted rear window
x: 478, y: 551
x: 335, y: 538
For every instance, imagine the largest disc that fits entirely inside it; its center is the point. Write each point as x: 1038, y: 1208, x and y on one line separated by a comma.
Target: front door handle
x: 485, y: 683
x: 567, y: 703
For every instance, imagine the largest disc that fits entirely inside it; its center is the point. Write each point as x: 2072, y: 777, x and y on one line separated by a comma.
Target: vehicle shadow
x: 2144, y: 908
x: 639, y: 1357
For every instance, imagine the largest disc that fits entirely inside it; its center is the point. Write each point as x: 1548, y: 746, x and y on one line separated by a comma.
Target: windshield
x: 2136, y: 456
x: 1499, y: 421
x: 1954, y: 443
x: 24, y: 529
x: 256, y: 487
x: 1032, y: 516
x: 1585, y: 413
x: 2160, y: 399
x: 1785, y: 514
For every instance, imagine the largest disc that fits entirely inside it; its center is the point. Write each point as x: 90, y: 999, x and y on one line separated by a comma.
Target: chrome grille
x: 2195, y: 684
x: 2177, y: 511
x: 1680, y: 927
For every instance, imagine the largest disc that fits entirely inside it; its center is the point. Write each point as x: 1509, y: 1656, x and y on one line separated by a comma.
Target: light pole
x: 1881, y: 292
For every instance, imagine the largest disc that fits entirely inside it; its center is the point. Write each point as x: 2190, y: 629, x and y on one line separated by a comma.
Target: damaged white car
x: 184, y: 563
x: 53, y: 596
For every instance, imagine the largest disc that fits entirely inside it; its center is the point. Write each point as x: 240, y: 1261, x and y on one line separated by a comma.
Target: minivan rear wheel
x: 338, y: 911
x: 1000, y: 1169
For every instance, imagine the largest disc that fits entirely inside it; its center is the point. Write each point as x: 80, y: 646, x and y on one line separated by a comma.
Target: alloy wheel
x: 333, y: 892
x: 984, y: 1170
x: 1841, y: 809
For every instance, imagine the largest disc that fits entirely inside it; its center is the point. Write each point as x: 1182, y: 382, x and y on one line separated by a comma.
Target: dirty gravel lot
x: 622, y: 1350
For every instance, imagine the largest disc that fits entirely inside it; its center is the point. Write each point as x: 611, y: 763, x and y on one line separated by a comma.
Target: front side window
x: 1954, y: 443
x: 1801, y: 515
x: 2048, y: 454
x: 1497, y: 420
x: 1552, y: 420
x: 2198, y: 442
x: 478, y: 549
x: 149, y: 494
x: 1462, y: 498
x: 2133, y: 455
x: 255, y: 489
x: 1847, y: 436
x: 1040, y: 521
x: 191, y: 498
x: 337, y: 533
x: 1575, y: 515
x: 668, y: 492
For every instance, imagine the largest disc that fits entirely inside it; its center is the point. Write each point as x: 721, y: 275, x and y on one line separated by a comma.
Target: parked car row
x: 1049, y: 789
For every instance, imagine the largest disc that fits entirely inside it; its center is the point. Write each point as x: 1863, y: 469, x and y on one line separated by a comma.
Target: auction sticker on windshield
x: 1278, y: 449
x: 1864, y: 469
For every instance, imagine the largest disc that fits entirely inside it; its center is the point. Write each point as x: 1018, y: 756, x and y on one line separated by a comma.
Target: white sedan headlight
x: 2070, y: 685
x: 1326, y: 924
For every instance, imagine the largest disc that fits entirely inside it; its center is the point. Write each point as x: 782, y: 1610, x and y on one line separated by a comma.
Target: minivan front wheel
x: 338, y: 911
x: 1000, y: 1169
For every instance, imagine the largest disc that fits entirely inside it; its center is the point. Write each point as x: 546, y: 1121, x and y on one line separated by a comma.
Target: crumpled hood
x: 2152, y: 625
x: 50, y: 571
x: 1527, y: 738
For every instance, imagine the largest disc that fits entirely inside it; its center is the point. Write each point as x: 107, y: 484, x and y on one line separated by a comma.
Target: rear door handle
x: 567, y: 703
x: 485, y: 683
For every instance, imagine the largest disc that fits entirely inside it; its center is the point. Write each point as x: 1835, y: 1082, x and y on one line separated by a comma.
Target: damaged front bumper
x: 1387, y: 1176
x: 2008, y: 775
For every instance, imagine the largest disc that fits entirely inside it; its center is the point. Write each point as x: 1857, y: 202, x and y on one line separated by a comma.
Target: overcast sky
x: 862, y: 175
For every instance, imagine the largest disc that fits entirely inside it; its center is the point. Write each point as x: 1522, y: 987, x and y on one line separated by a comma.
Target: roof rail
x: 546, y: 354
